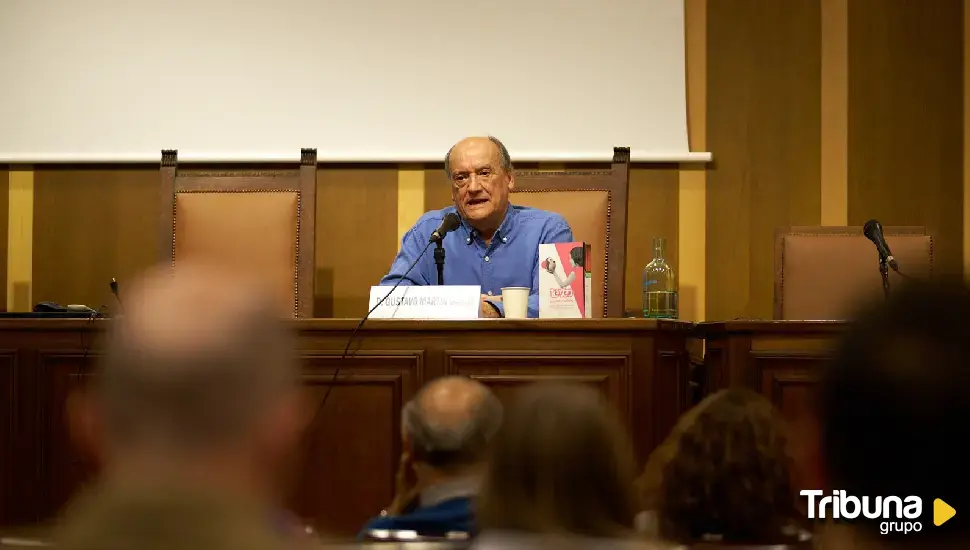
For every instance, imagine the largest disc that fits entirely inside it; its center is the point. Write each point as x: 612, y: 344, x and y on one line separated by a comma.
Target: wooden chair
x: 822, y: 273
x: 254, y: 219
x: 594, y: 203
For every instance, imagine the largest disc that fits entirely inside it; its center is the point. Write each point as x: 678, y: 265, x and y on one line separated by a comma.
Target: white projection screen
x: 359, y: 80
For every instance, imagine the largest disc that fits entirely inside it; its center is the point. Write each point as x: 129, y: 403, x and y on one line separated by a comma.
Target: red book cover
x: 564, y: 281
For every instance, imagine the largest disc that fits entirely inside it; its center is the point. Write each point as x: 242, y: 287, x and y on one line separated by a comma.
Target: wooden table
x: 352, y: 446
x: 781, y: 360
x: 778, y: 358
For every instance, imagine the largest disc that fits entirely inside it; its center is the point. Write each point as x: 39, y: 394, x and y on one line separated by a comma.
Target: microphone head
x: 451, y: 222
x: 448, y: 224
x: 872, y: 227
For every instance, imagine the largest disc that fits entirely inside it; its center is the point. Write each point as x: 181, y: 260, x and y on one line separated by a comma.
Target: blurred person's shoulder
x: 125, y: 518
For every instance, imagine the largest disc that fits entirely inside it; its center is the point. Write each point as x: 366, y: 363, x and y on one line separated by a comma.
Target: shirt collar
x: 504, y: 229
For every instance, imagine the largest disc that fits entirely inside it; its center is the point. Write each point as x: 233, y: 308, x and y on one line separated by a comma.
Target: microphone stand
x: 884, y: 271
x: 439, y: 261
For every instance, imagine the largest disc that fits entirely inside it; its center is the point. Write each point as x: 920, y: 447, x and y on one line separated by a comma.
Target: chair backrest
x: 594, y: 203
x: 822, y: 273
x: 259, y: 220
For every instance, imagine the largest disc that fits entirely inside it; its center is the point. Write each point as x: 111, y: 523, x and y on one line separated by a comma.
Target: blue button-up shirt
x: 512, y: 258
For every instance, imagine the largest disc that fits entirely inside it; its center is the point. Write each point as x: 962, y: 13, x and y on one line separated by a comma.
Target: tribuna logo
x: 839, y: 505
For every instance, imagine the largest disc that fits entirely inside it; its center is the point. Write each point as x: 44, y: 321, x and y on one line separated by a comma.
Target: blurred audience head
x: 199, y: 375
x: 560, y: 464
x: 894, y: 405
x: 724, y: 471
x: 448, y: 426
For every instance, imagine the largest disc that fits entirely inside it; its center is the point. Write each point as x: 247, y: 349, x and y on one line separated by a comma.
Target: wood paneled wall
x: 828, y: 112
x: 905, y: 118
x: 4, y: 222
x: 763, y: 126
x: 817, y: 112
x: 92, y: 223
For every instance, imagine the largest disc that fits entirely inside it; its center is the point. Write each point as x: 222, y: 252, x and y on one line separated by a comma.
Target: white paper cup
x: 516, y: 301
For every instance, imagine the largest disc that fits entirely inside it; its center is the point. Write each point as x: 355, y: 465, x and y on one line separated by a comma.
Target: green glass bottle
x: 659, y: 285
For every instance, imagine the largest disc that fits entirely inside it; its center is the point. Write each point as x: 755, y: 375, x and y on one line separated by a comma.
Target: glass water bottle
x: 659, y: 285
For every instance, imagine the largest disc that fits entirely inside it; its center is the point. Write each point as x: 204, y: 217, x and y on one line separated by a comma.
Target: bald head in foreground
x: 446, y: 430
x: 192, y: 413
x: 448, y: 424
x: 497, y: 243
x: 199, y: 369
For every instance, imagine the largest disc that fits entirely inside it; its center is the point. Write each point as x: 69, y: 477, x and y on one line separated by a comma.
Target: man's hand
x: 487, y: 310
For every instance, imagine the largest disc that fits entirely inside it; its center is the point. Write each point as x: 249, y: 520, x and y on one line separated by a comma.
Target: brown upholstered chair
x: 822, y: 273
x: 594, y: 204
x: 257, y: 220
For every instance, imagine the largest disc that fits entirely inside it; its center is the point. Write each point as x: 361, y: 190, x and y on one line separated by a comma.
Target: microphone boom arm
x: 311, y: 425
x: 884, y: 273
x: 439, y: 261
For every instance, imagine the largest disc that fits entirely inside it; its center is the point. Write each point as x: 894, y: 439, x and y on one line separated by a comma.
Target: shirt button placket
x: 486, y: 271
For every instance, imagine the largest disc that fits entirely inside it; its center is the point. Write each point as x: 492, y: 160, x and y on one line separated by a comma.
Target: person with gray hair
x: 193, y: 413
x: 496, y: 243
x: 446, y: 431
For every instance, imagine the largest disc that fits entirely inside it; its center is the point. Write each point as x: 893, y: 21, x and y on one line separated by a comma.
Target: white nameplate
x: 452, y: 302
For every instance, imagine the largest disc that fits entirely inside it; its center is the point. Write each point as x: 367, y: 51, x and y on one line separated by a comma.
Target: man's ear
x: 511, y: 181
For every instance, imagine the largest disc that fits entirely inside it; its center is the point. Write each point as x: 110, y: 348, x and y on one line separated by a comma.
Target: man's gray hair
x: 503, y: 154
x: 448, y: 445
x: 197, y: 398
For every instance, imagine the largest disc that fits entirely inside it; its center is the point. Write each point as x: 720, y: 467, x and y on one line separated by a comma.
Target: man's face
x: 479, y: 185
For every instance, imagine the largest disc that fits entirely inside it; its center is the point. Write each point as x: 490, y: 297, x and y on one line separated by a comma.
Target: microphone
x: 449, y: 224
x: 114, y: 290
x: 873, y: 231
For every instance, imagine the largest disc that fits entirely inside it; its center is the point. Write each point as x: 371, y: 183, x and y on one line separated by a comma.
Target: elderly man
x: 497, y: 244
x: 192, y: 415
x: 446, y: 429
